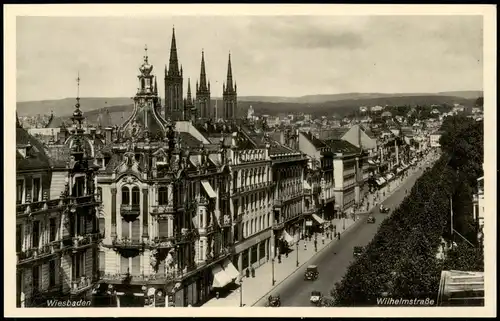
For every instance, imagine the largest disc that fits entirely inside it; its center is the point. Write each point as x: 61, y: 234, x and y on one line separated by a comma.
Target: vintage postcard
x: 182, y: 160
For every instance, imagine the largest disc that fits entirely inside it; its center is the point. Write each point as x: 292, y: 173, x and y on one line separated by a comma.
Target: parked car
x: 358, y: 250
x: 371, y: 219
x: 316, y: 297
x: 273, y: 301
x: 383, y: 209
x: 311, y: 273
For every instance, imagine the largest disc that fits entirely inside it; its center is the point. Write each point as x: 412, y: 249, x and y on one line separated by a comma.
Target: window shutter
x: 136, y: 265
x: 124, y: 264
x: 136, y: 230
x: 163, y: 228
x: 102, y: 261
x: 125, y: 229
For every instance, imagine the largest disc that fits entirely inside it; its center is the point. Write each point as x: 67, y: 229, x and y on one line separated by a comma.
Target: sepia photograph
x: 168, y: 156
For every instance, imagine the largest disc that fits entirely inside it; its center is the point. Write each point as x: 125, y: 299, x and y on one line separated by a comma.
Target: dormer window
x: 22, y: 151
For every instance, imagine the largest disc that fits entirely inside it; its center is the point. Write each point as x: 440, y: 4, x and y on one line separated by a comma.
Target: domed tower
x: 145, y: 121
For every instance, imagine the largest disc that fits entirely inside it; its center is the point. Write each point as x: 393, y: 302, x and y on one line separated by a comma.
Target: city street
x: 334, y: 260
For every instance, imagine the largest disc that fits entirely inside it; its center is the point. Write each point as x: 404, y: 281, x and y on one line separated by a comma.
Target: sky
x: 271, y: 55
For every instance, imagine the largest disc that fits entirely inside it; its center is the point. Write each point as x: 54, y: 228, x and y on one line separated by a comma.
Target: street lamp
x: 241, y: 291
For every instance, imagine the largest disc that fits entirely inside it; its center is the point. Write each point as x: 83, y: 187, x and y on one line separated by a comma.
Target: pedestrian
x: 217, y: 295
x: 315, y: 243
x: 323, y: 239
x: 286, y: 254
x: 247, y: 273
x: 252, y: 271
x: 279, y: 258
x: 305, y: 246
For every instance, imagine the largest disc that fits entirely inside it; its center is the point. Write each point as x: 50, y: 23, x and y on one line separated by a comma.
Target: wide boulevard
x: 334, y: 260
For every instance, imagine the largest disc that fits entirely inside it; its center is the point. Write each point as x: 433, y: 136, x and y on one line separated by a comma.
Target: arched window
x: 125, y: 195
x: 163, y: 195
x: 136, y: 196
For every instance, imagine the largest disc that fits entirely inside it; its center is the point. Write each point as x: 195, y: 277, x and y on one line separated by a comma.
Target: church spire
x: 203, y: 74
x: 229, y: 80
x: 173, y: 67
x: 189, y: 98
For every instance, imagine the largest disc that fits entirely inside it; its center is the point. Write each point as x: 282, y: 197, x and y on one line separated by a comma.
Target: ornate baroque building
x: 167, y: 218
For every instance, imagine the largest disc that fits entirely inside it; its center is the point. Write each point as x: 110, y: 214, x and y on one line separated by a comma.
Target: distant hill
x: 64, y: 107
x: 347, y: 106
x: 312, y: 99
x: 340, y: 107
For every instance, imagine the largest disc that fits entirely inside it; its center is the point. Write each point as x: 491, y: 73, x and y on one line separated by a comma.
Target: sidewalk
x: 255, y: 288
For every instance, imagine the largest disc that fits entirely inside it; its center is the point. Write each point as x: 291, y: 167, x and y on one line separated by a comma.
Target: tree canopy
x: 401, y: 259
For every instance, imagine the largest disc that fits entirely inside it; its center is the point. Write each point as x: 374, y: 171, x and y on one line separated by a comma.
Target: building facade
x: 57, y: 231
x: 166, y: 215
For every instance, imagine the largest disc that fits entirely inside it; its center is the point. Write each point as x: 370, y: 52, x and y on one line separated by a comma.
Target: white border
x: 489, y: 18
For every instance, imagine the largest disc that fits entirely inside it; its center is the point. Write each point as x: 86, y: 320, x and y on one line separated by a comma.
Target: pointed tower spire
x: 173, y: 67
x: 189, y: 99
x: 229, y: 81
x: 203, y: 74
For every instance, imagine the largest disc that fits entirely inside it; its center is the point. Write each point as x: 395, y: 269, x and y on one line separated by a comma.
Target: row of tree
x: 401, y: 260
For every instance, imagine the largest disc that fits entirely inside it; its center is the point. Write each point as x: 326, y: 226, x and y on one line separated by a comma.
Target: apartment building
x: 57, y: 230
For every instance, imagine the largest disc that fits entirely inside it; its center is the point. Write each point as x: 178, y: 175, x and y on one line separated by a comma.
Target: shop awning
x: 371, y: 162
x: 210, y: 191
x: 318, y: 219
x: 221, y: 278
x: 399, y: 170
x: 306, y: 185
x: 380, y: 181
x: 288, y: 238
x: 388, y: 177
x: 230, y: 269
x: 404, y: 164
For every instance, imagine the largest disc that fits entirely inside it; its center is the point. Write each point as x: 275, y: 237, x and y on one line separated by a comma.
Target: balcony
x: 38, y: 207
x: 82, y: 242
x: 225, y: 220
x: 81, y: 285
x: 130, y: 212
x: 278, y: 225
x: 186, y: 236
x: 44, y: 252
x: 223, y: 253
x: 210, y: 229
x: 164, y: 242
x: 86, y: 200
x: 161, y: 211
x: 157, y: 278
x: 277, y: 204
